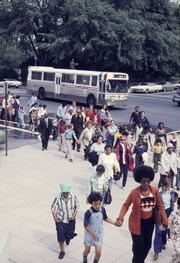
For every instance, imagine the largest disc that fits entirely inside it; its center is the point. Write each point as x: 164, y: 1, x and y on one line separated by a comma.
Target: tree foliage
x: 133, y: 36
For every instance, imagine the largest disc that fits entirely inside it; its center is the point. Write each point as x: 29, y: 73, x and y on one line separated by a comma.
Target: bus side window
x: 68, y: 78
x: 36, y: 75
x: 83, y: 79
x: 49, y: 76
x: 94, y: 81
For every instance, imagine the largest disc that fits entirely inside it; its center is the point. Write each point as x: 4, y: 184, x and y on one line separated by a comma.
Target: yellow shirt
x: 117, y: 134
x: 157, y: 149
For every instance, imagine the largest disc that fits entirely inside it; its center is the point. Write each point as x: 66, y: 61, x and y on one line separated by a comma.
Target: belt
x: 68, y: 139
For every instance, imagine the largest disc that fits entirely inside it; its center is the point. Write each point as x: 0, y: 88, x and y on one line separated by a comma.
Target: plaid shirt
x: 64, y: 210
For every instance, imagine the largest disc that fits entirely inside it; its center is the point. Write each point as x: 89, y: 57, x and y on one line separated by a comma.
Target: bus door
x: 58, y: 84
x: 102, y: 89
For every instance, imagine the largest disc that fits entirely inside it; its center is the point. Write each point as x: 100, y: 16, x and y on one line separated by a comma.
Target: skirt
x: 65, y: 231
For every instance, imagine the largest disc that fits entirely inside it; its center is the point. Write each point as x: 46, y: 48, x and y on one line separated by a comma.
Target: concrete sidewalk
x: 29, y: 180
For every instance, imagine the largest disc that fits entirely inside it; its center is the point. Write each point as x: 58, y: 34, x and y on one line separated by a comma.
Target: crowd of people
x: 113, y: 151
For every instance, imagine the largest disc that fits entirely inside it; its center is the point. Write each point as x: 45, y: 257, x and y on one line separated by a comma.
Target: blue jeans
x: 138, y: 160
x: 161, y: 236
x: 21, y: 120
x: 156, y: 159
x: 124, y: 173
x: 110, y: 139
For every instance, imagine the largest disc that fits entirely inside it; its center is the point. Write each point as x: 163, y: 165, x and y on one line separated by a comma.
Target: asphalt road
x: 158, y: 107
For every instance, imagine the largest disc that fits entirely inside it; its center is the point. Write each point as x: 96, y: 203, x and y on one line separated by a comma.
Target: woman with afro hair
x: 141, y: 223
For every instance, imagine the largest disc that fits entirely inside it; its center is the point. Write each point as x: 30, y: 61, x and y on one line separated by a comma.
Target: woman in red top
x: 61, y: 131
x: 89, y: 112
x: 95, y: 118
x: 141, y: 223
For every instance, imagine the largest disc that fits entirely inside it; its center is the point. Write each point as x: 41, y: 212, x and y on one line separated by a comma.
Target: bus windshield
x: 116, y: 86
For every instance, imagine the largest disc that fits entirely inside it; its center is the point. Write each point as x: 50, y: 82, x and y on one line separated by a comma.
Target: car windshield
x: 10, y: 79
x: 161, y: 82
x: 116, y: 86
x: 147, y: 84
x: 143, y: 84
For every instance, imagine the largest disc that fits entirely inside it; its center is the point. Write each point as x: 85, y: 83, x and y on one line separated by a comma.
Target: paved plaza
x: 29, y: 181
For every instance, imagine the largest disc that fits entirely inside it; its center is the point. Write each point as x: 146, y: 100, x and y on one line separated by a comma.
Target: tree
x: 11, y: 57
x: 133, y: 36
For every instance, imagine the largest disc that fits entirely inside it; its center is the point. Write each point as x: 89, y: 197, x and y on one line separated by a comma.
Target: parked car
x: 176, y: 85
x: 176, y: 97
x: 1, y: 95
x: 11, y: 83
x: 146, y: 87
x: 166, y: 85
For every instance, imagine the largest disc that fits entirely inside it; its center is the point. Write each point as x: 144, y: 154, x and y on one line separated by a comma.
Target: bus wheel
x: 42, y: 94
x: 91, y: 100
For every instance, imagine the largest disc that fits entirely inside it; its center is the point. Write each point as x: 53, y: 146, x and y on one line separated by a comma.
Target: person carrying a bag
x: 123, y: 152
x: 98, y: 182
x: 141, y: 222
x: 109, y: 160
x: 86, y: 138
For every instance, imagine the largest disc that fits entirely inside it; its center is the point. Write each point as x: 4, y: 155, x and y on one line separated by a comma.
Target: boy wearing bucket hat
x: 168, y: 164
x: 64, y: 210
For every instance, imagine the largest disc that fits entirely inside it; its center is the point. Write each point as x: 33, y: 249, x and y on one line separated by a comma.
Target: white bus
x: 89, y: 87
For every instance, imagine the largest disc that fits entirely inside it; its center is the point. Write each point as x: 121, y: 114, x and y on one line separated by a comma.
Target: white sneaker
x: 124, y: 188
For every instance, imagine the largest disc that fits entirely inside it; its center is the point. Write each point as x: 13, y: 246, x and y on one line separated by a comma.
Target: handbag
x: 12, y: 111
x: 116, y: 176
x: 156, y: 216
x: 131, y: 164
x: 108, y: 197
x: 145, y: 157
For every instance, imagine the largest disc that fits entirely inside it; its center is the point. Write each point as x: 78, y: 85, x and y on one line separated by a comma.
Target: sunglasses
x: 145, y: 181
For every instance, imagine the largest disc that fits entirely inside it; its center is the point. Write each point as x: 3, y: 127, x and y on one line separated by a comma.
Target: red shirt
x: 107, y: 125
x: 89, y: 113
x: 92, y: 118
x: 61, y: 128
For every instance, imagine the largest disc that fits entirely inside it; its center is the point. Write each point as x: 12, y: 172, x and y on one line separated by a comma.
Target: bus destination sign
x: 119, y: 76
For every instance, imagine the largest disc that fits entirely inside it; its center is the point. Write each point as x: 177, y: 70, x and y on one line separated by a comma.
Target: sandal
x: 156, y: 256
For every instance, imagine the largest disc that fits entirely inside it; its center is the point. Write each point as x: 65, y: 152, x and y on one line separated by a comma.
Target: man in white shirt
x: 61, y: 111
x: 168, y: 165
x: 68, y: 116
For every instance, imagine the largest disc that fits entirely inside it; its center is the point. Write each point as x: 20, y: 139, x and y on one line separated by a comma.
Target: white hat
x: 169, y: 145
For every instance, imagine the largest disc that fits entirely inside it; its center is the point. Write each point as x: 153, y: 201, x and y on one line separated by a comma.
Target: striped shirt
x: 65, y: 209
x: 112, y: 129
x: 147, y: 205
